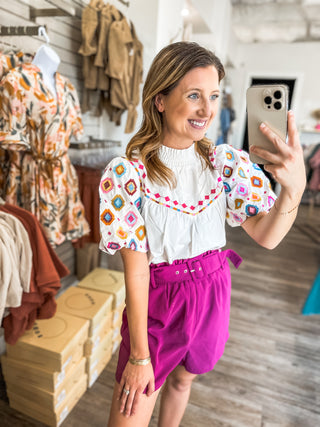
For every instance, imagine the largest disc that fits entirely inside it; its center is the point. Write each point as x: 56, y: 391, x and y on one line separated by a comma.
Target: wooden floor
x: 270, y: 373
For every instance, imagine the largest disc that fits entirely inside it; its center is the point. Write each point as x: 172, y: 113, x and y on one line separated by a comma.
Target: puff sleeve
x: 13, y: 111
x: 121, y: 223
x: 248, y: 190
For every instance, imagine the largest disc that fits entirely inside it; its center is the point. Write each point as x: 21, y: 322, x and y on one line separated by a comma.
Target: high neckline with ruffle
x: 176, y: 157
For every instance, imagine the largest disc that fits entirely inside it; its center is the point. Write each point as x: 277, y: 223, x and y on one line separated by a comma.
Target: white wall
x: 170, y: 22
x: 217, y: 15
x: 292, y: 60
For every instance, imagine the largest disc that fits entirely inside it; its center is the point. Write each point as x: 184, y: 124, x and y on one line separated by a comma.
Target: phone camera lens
x: 268, y: 100
x: 277, y: 105
x: 277, y: 94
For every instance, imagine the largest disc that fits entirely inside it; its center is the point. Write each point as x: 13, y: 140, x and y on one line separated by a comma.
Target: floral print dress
x: 35, y: 129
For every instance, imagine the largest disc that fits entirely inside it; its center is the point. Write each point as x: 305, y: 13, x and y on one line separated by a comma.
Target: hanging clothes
x: 112, y: 62
x: 95, y: 26
x: 8, y: 61
x: 16, y: 262
x: 87, y: 248
x: 37, y: 302
x: 314, y: 161
x: 125, y: 69
x: 41, y: 179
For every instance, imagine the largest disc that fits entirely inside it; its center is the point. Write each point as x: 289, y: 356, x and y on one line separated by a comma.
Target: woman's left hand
x: 287, y: 164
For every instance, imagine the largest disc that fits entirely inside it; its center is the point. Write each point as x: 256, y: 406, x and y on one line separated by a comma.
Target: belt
x: 193, y: 268
x: 46, y: 164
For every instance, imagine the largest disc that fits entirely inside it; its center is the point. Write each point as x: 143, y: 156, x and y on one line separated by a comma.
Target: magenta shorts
x: 188, y: 316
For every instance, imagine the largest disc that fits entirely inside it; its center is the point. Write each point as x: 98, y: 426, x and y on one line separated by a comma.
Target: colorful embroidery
x: 229, y: 155
x: 185, y: 206
x: 113, y: 245
x: 130, y: 187
x: 236, y: 217
x: 256, y: 181
x: 131, y: 219
x: 138, y: 203
x: 118, y: 202
x: 119, y: 170
x: 251, y: 210
x: 107, y: 185
x: 241, y: 173
x: 227, y: 187
x: 149, y: 195
x: 271, y: 201
x: 227, y: 171
x: 121, y: 233
x: 234, y: 177
x: 141, y: 232
x: 238, y: 203
x: 133, y: 245
x: 255, y: 197
x: 242, y: 189
x: 244, y: 159
x: 107, y: 217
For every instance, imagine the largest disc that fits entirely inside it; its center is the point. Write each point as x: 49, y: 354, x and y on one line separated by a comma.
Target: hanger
x: 122, y: 6
x: 126, y: 3
x: 43, y: 33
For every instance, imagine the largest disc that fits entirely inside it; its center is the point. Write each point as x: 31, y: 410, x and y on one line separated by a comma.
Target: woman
x: 164, y: 207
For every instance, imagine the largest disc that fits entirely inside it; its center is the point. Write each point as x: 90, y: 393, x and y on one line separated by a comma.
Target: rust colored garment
x: 38, y: 126
x: 89, y: 180
x: 87, y: 248
x: 47, y: 269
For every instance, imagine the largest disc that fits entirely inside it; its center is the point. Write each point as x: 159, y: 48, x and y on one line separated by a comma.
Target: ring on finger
x: 125, y: 391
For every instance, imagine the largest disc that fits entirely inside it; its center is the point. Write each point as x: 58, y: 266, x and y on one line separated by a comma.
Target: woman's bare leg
x: 175, y: 396
x: 143, y: 413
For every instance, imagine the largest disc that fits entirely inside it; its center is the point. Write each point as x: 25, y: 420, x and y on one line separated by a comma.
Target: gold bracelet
x: 287, y: 212
x: 140, y: 362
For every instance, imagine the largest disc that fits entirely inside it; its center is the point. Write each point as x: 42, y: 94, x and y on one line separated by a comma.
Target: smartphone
x: 266, y: 103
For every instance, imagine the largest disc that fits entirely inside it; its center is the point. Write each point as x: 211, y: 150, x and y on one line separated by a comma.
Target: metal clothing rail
x: 20, y: 31
x: 95, y: 143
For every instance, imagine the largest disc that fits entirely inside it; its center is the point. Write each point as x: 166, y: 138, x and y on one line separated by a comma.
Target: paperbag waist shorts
x: 188, y: 314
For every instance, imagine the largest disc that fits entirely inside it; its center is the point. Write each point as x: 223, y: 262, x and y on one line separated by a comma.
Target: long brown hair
x: 167, y: 69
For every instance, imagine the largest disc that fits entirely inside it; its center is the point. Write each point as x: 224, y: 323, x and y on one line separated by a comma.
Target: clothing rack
x: 98, y: 152
x: 95, y: 143
x: 20, y: 30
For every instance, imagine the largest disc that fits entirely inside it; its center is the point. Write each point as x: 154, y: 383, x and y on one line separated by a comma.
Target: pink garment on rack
x: 314, y: 183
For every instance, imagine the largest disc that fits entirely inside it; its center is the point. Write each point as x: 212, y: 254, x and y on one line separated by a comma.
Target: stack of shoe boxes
x: 109, y: 282
x: 45, y: 370
x: 96, y: 307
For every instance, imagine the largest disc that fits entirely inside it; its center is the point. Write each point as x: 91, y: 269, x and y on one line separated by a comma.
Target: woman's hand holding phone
x: 286, y: 164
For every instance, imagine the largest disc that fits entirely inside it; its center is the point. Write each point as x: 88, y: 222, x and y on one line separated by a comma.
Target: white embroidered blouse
x: 188, y: 220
